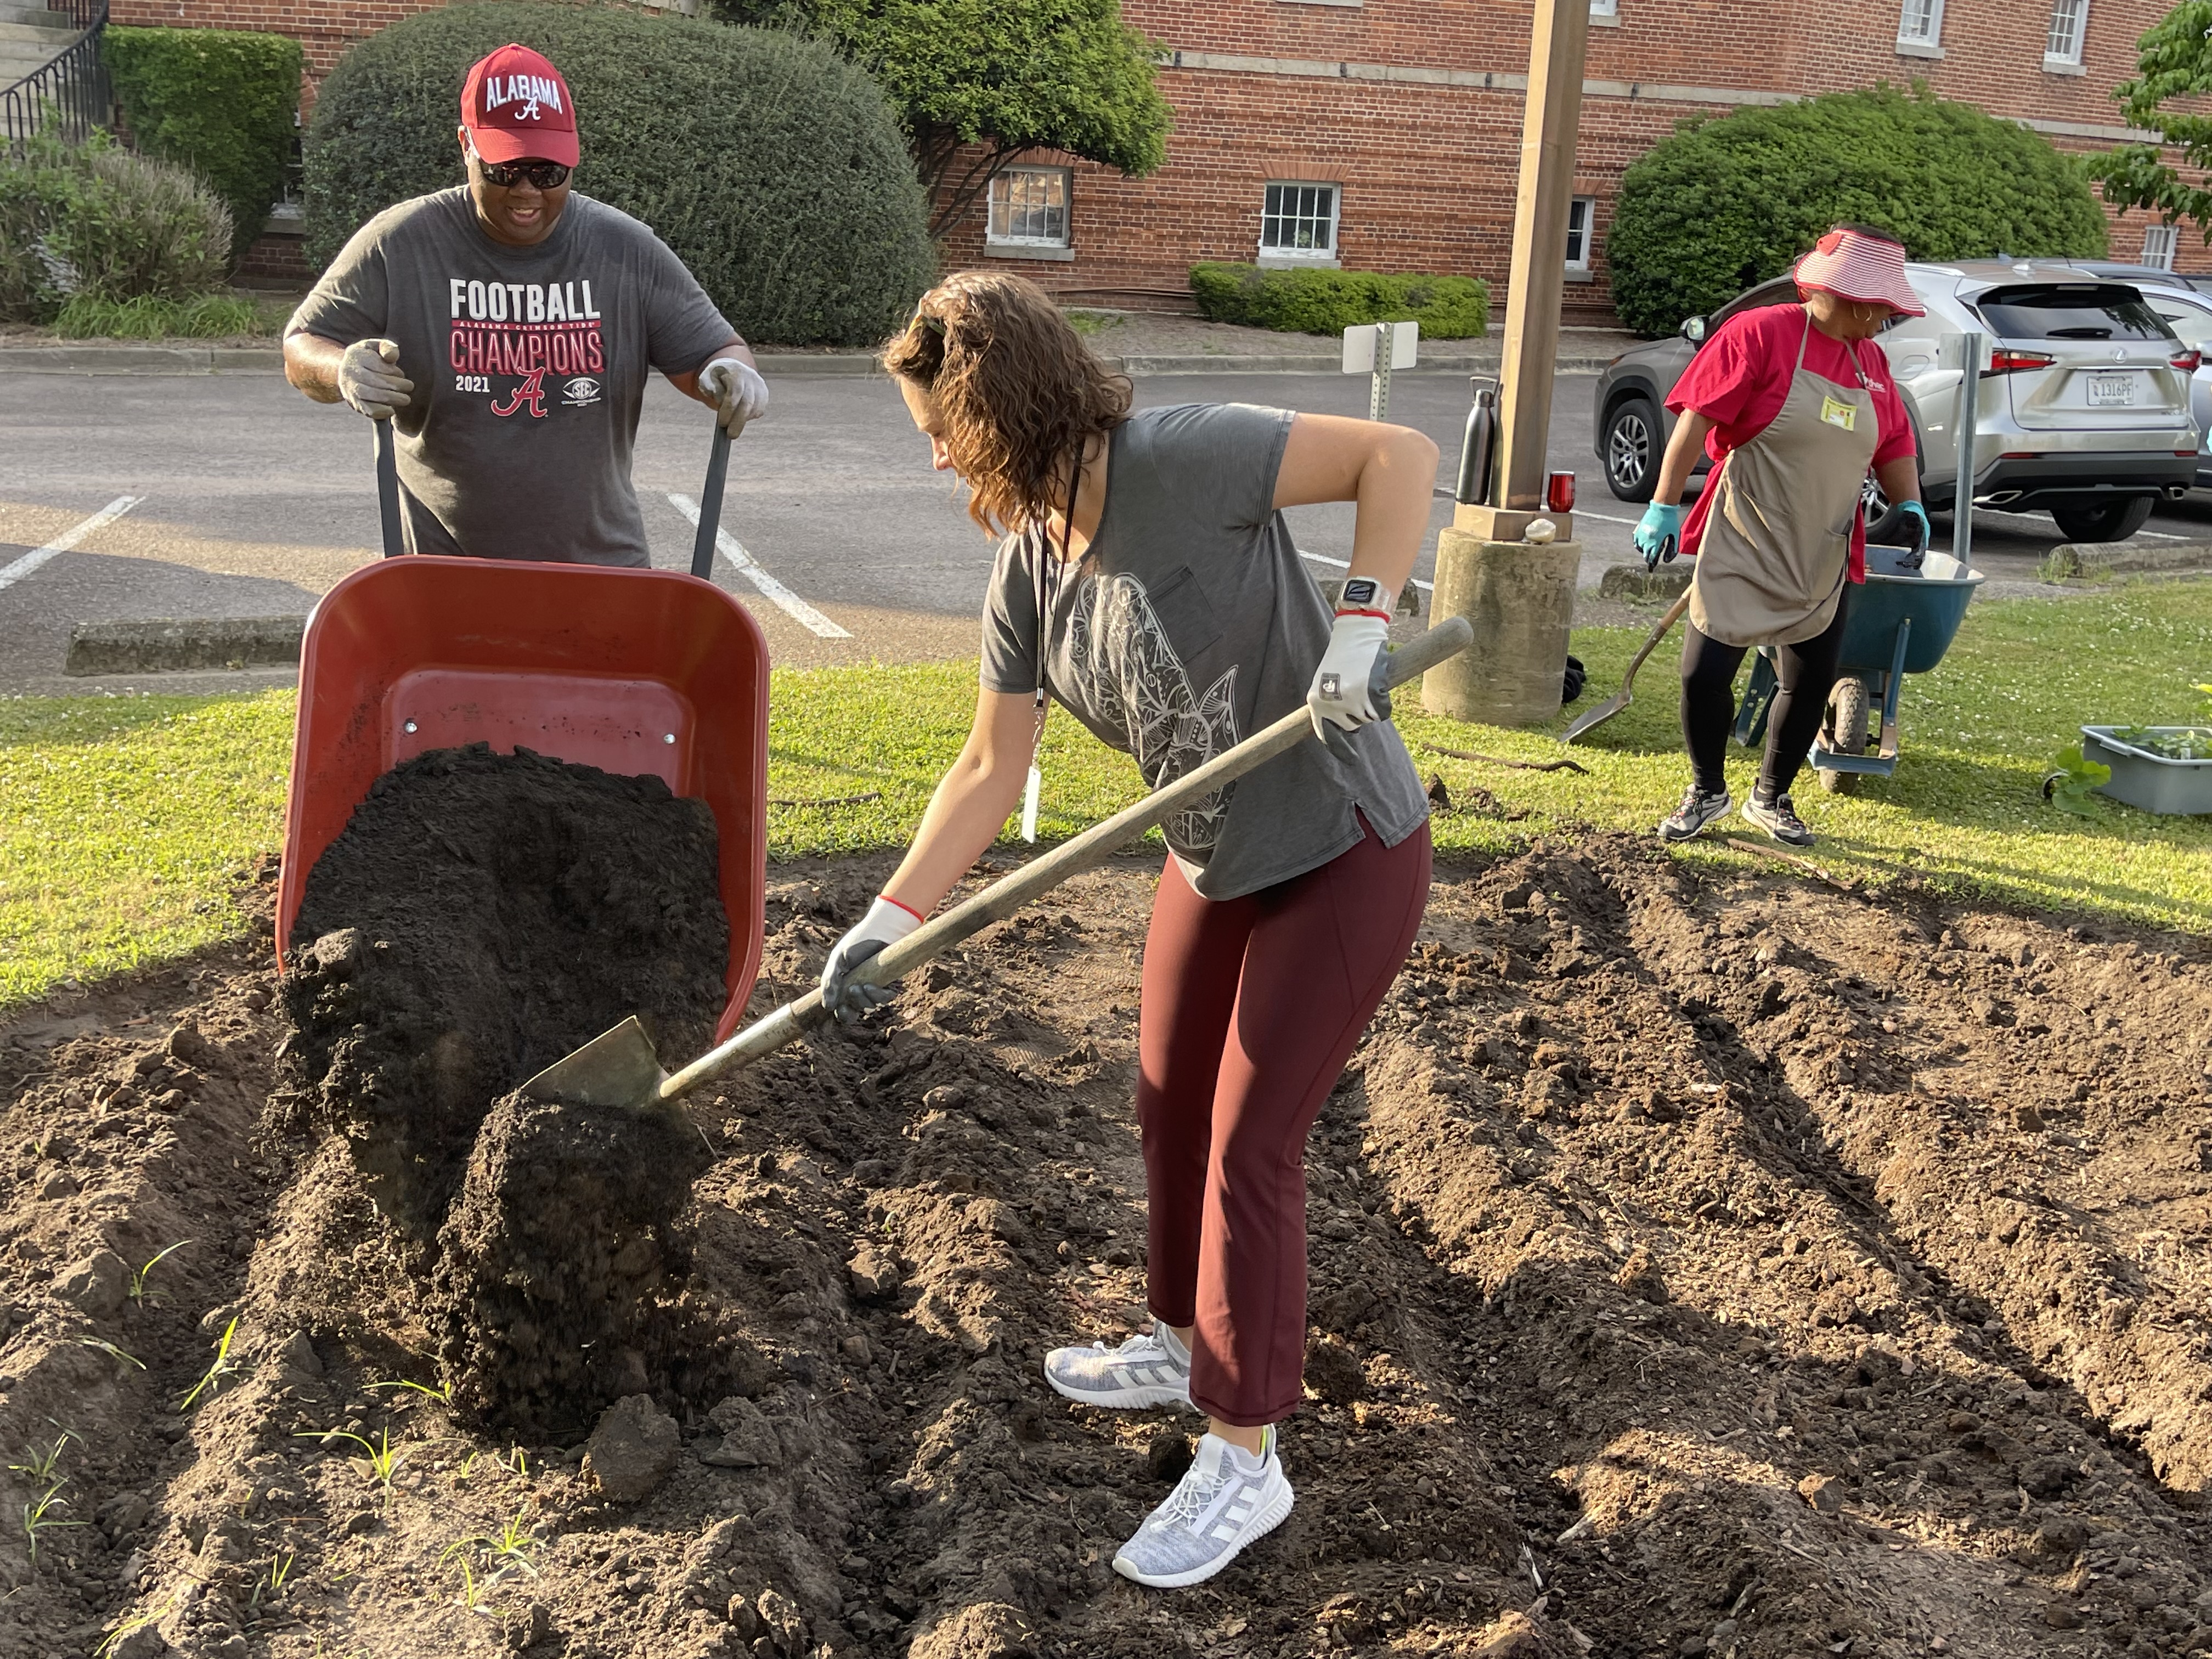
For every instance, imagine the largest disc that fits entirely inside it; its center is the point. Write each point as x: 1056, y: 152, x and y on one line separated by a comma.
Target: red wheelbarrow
x: 632, y: 671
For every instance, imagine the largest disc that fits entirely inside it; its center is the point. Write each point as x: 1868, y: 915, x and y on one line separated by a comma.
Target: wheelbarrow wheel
x: 1847, y: 732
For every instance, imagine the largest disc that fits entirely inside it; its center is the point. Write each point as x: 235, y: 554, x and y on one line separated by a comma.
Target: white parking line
x: 14, y: 573
x: 1346, y: 564
x: 748, y: 567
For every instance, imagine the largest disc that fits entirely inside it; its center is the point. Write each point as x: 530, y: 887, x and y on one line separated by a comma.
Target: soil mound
x: 562, y: 1258
x: 481, y: 916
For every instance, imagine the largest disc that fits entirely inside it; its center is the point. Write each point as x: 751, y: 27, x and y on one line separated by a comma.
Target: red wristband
x: 1380, y: 616
x: 909, y: 908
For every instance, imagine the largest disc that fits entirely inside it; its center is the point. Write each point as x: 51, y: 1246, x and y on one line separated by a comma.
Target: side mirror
x: 1693, y: 330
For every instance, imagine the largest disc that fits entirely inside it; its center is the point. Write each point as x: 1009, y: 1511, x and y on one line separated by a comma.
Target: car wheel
x: 2106, y: 521
x: 1632, y: 448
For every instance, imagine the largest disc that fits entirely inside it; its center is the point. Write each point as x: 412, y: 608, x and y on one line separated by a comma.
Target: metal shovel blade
x: 615, y: 1068
x: 1621, y: 699
x: 1597, y: 716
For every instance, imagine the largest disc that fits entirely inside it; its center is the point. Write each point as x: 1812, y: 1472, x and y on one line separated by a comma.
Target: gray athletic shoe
x: 1151, y: 1370
x: 1778, y: 817
x: 1215, y: 1511
x: 1697, y: 810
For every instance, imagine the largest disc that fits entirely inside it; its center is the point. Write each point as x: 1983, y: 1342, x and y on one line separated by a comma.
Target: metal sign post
x: 1376, y: 348
x: 1967, y: 428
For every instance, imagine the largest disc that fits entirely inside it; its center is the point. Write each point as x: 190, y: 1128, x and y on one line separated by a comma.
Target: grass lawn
x: 123, y: 822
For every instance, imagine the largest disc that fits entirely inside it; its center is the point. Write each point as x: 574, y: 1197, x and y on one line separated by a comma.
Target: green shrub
x: 1329, y: 301
x: 98, y: 221
x: 223, y: 103
x: 774, y: 168
x: 1725, y: 203
x: 211, y: 316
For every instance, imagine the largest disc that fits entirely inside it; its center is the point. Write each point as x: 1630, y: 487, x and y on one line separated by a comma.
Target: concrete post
x: 1520, y: 597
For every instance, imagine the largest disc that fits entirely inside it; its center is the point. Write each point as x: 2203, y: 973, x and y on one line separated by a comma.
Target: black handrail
x: 68, y: 96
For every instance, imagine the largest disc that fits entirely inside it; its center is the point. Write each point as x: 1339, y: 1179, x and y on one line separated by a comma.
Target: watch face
x: 1362, y: 591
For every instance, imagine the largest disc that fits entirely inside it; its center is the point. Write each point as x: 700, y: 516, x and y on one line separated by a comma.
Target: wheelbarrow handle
x: 387, y: 487
x: 710, y: 505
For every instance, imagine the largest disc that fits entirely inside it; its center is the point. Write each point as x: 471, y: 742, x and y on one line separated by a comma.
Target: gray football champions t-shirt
x: 529, y: 366
x: 1191, y: 624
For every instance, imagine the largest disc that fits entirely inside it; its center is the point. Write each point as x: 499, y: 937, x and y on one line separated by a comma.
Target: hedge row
x: 95, y: 221
x: 1313, y: 301
x: 223, y: 103
x: 1726, y: 203
x: 772, y: 168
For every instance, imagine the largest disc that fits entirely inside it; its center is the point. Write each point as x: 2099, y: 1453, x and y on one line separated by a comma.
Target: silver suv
x: 2084, y: 408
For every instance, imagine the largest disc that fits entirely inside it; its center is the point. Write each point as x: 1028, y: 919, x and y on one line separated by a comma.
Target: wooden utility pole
x: 1518, y: 594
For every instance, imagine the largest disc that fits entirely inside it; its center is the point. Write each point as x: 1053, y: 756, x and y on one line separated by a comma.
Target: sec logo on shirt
x: 579, y: 392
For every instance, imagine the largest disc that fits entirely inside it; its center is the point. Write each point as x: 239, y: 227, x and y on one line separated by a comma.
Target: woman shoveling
x: 1147, y: 582
x: 1794, y: 402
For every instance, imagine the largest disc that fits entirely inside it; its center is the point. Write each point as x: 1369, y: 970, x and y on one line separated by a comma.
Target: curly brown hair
x: 1017, y: 393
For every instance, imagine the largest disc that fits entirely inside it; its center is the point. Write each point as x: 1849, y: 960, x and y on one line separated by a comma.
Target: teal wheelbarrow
x: 1901, y: 621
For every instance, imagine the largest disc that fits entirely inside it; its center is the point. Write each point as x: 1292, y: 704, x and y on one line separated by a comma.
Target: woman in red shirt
x: 1794, y: 404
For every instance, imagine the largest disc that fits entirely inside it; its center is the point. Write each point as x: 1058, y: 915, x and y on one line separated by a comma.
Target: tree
x: 1009, y: 75
x: 2173, y: 61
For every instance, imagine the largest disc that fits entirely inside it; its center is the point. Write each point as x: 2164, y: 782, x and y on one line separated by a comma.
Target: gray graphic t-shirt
x: 1191, y: 624
x: 529, y: 366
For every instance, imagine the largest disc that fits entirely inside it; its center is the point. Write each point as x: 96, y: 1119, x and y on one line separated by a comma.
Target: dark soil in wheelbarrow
x: 1703, y: 1262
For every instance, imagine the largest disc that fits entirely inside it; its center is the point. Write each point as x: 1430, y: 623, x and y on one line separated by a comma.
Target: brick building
x: 1385, y: 134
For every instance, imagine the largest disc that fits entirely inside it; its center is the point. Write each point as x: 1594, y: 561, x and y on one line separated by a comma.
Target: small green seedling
x: 112, y: 1352
x: 211, y: 1384
x: 139, y: 1293
x: 379, y: 1459
x: 39, y: 1519
x: 44, y: 1467
x: 443, y: 1394
x: 130, y: 1627
x: 271, y: 1582
x: 2070, y: 786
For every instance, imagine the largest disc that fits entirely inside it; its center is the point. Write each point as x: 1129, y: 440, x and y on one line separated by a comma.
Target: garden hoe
x: 620, y: 1068
x: 1621, y: 699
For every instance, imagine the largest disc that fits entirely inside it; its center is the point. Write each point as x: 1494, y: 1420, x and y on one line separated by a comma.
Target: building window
x: 1605, y: 11
x: 2159, y: 242
x: 1920, y: 26
x: 1029, y: 208
x: 1582, y: 217
x: 1299, y: 222
x: 2069, y: 18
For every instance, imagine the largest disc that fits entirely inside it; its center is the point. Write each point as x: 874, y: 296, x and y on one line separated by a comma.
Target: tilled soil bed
x: 1702, y: 1264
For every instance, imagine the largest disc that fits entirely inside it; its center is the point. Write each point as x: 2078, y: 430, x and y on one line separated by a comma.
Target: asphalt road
x: 250, y: 502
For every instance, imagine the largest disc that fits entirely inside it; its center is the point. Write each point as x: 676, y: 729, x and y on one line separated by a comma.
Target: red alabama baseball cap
x: 516, y: 106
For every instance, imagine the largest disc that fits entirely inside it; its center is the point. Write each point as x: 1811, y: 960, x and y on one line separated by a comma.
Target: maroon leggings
x: 1251, y: 1008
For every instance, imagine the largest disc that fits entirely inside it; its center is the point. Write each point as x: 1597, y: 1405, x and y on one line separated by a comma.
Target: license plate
x: 2111, y: 390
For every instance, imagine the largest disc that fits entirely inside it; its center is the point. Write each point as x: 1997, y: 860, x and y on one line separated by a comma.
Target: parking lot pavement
x: 250, y: 502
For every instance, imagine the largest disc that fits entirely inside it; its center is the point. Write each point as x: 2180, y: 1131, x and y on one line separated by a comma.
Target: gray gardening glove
x: 369, y: 378
x: 887, y: 922
x: 739, y: 393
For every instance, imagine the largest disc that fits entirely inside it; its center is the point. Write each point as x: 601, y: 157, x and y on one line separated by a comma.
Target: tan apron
x: 1777, y: 542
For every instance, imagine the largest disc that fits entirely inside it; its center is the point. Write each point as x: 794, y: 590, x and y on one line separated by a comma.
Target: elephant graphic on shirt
x: 1118, y: 648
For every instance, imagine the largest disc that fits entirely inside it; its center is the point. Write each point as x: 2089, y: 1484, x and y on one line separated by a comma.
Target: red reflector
x: 2191, y: 360
x: 2003, y: 361
x: 2021, y: 455
x: 2185, y: 451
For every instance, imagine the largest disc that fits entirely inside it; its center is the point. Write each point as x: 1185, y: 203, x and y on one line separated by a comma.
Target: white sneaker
x: 1221, y: 1505
x: 1151, y: 1370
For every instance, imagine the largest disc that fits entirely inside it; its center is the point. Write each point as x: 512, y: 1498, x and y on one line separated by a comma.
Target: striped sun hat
x: 1853, y: 266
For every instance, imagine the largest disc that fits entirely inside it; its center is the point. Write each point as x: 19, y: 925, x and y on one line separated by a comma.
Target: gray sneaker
x: 1215, y: 1511
x: 1778, y: 817
x: 1697, y: 810
x: 1151, y: 1370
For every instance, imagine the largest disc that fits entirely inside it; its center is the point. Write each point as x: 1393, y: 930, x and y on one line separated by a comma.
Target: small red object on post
x: 1559, y: 492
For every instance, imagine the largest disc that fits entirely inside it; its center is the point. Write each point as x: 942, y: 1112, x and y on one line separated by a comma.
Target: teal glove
x: 1920, y: 532
x: 1659, y: 534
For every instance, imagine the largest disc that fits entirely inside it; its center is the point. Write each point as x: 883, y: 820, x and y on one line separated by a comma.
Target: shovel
x: 619, y: 1068
x: 1621, y: 699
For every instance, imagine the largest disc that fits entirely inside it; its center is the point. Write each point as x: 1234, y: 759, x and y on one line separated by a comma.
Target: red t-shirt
x: 1740, y: 379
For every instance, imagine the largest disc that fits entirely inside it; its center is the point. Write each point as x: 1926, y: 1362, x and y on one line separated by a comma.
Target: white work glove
x: 887, y: 922
x: 739, y: 393
x: 370, y: 381
x: 1349, y: 690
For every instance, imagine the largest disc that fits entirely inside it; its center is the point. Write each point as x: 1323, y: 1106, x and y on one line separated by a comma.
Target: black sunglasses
x: 546, y: 175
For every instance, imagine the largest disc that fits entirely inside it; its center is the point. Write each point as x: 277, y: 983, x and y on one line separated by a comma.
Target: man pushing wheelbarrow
x: 505, y: 327
x: 1794, y: 402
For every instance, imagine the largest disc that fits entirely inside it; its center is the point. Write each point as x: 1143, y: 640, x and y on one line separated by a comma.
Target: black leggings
x: 1806, y: 672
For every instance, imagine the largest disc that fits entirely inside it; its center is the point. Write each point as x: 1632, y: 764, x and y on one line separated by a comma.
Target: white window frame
x: 998, y: 242
x: 2062, y: 51
x: 1920, y: 29
x: 2160, y: 243
x: 1587, y: 207
x: 1300, y: 256
x: 1606, y: 14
